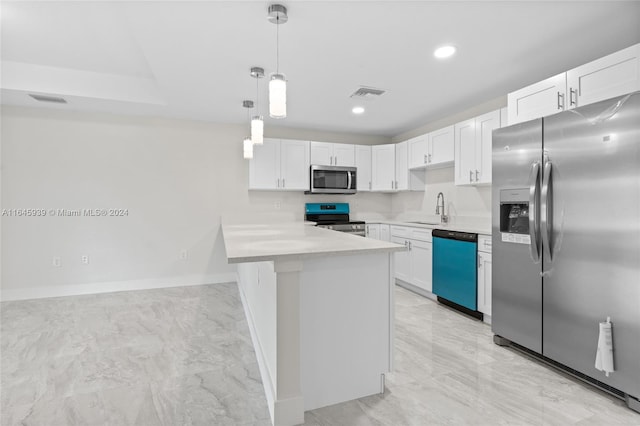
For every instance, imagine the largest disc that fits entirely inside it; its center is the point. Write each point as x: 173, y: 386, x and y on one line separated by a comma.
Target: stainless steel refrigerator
x: 566, y: 239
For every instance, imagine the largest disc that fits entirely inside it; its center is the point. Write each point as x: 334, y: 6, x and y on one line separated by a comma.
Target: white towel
x: 604, y: 353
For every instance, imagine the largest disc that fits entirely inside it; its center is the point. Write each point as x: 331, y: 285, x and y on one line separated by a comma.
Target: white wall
x: 177, y: 179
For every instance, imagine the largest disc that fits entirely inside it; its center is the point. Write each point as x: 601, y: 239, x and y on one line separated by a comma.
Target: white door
x: 538, y: 100
x: 420, y: 254
x: 401, y: 260
x: 264, y: 167
x: 344, y: 155
x: 465, y: 152
x: 441, y: 146
x: 294, y: 164
x: 373, y: 230
x: 322, y: 153
x: 484, y: 283
x: 385, y: 232
x: 363, y: 164
x: 485, y: 124
x: 604, y: 78
x: 402, y: 167
x: 418, y: 152
x: 383, y: 167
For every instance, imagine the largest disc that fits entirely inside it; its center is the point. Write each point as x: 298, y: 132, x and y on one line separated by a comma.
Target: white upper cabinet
x: 431, y: 150
x: 604, y: 78
x: 383, y: 159
x: 402, y: 167
x: 333, y: 154
x: 280, y: 165
x: 473, y: 144
x: 440, y: 147
x: 294, y: 164
x: 363, y: 164
x: 607, y: 77
x: 264, y: 167
x: 418, y: 151
x: 538, y: 100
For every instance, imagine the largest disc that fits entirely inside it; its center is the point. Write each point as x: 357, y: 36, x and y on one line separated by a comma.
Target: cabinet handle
x: 571, y: 93
x: 283, y: 182
x: 425, y: 159
x: 278, y: 182
x: 429, y: 158
x: 477, y: 175
x: 369, y: 184
x: 409, y: 245
x: 335, y: 160
x: 560, y: 105
x: 470, y: 176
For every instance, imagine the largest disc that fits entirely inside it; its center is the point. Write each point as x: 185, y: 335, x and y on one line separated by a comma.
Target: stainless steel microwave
x: 332, y: 180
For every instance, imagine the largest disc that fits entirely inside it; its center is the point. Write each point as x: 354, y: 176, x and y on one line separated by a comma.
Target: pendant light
x: 247, y: 144
x: 257, y: 123
x: 277, y: 82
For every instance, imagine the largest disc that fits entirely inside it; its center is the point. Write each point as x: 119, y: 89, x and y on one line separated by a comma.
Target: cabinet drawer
x: 484, y: 243
x: 400, y: 231
x: 420, y: 234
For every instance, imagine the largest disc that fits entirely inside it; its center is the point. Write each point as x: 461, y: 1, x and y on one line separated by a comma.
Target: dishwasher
x: 455, y: 270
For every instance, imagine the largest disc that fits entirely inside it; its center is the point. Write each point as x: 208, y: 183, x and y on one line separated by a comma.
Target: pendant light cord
x: 278, y: 44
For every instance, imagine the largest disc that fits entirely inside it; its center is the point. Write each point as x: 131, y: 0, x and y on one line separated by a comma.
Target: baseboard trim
x: 114, y: 286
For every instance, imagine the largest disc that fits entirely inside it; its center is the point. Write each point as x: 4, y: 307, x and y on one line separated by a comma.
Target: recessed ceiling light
x: 444, y: 51
x: 357, y: 110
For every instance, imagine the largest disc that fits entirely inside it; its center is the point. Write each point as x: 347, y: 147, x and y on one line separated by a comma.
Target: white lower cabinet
x: 420, y: 261
x: 385, y: 232
x: 484, y: 274
x: 414, y: 265
x: 372, y: 230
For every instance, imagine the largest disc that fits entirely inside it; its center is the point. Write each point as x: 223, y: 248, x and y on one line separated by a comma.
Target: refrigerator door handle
x: 546, y: 209
x: 534, y: 221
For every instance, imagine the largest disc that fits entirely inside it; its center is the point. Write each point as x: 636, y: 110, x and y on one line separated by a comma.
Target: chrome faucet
x: 440, y: 208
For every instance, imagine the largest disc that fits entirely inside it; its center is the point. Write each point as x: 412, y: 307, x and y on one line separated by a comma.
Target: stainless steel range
x: 333, y: 216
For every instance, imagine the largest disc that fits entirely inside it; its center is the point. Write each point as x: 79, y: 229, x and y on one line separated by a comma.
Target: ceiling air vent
x: 367, y: 93
x: 45, y: 98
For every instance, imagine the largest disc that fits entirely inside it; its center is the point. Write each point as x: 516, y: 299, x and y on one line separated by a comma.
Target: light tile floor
x: 183, y: 356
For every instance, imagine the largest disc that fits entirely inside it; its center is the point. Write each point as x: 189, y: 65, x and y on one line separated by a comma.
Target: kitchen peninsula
x: 320, y: 309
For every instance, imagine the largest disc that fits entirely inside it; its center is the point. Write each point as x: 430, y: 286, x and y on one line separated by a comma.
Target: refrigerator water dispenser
x: 514, y: 215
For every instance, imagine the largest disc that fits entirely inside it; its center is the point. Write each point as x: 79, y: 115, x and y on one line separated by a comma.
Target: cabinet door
x: 264, y: 167
x: 344, y: 155
x: 420, y: 254
x: 402, y: 167
x: 538, y: 100
x: 465, y: 152
x: 385, y: 234
x: 604, y: 78
x: 383, y: 167
x: 322, y: 153
x: 373, y: 230
x: 401, y: 261
x: 485, y: 124
x: 418, y: 151
x: 363, y: 164
x: 294, y: 164
x: 441, y: 147
x: 484, y: 283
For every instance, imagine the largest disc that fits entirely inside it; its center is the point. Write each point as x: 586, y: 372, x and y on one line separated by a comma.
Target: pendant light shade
x: 277, y: 96
x: 277, y: 83
x: 257, y: 130
x: 247, y: 149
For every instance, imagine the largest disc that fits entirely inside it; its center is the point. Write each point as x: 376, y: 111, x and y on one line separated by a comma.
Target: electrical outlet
x: 184, y: 254
x: 56, y: 261
x: 84, y: 259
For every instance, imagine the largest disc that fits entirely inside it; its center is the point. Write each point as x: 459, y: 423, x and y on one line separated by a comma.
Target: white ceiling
x: 192, y: 59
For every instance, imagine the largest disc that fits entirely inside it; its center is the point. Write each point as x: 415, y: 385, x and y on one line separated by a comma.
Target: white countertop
x: 453, y: 227
x: 294, y: 241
